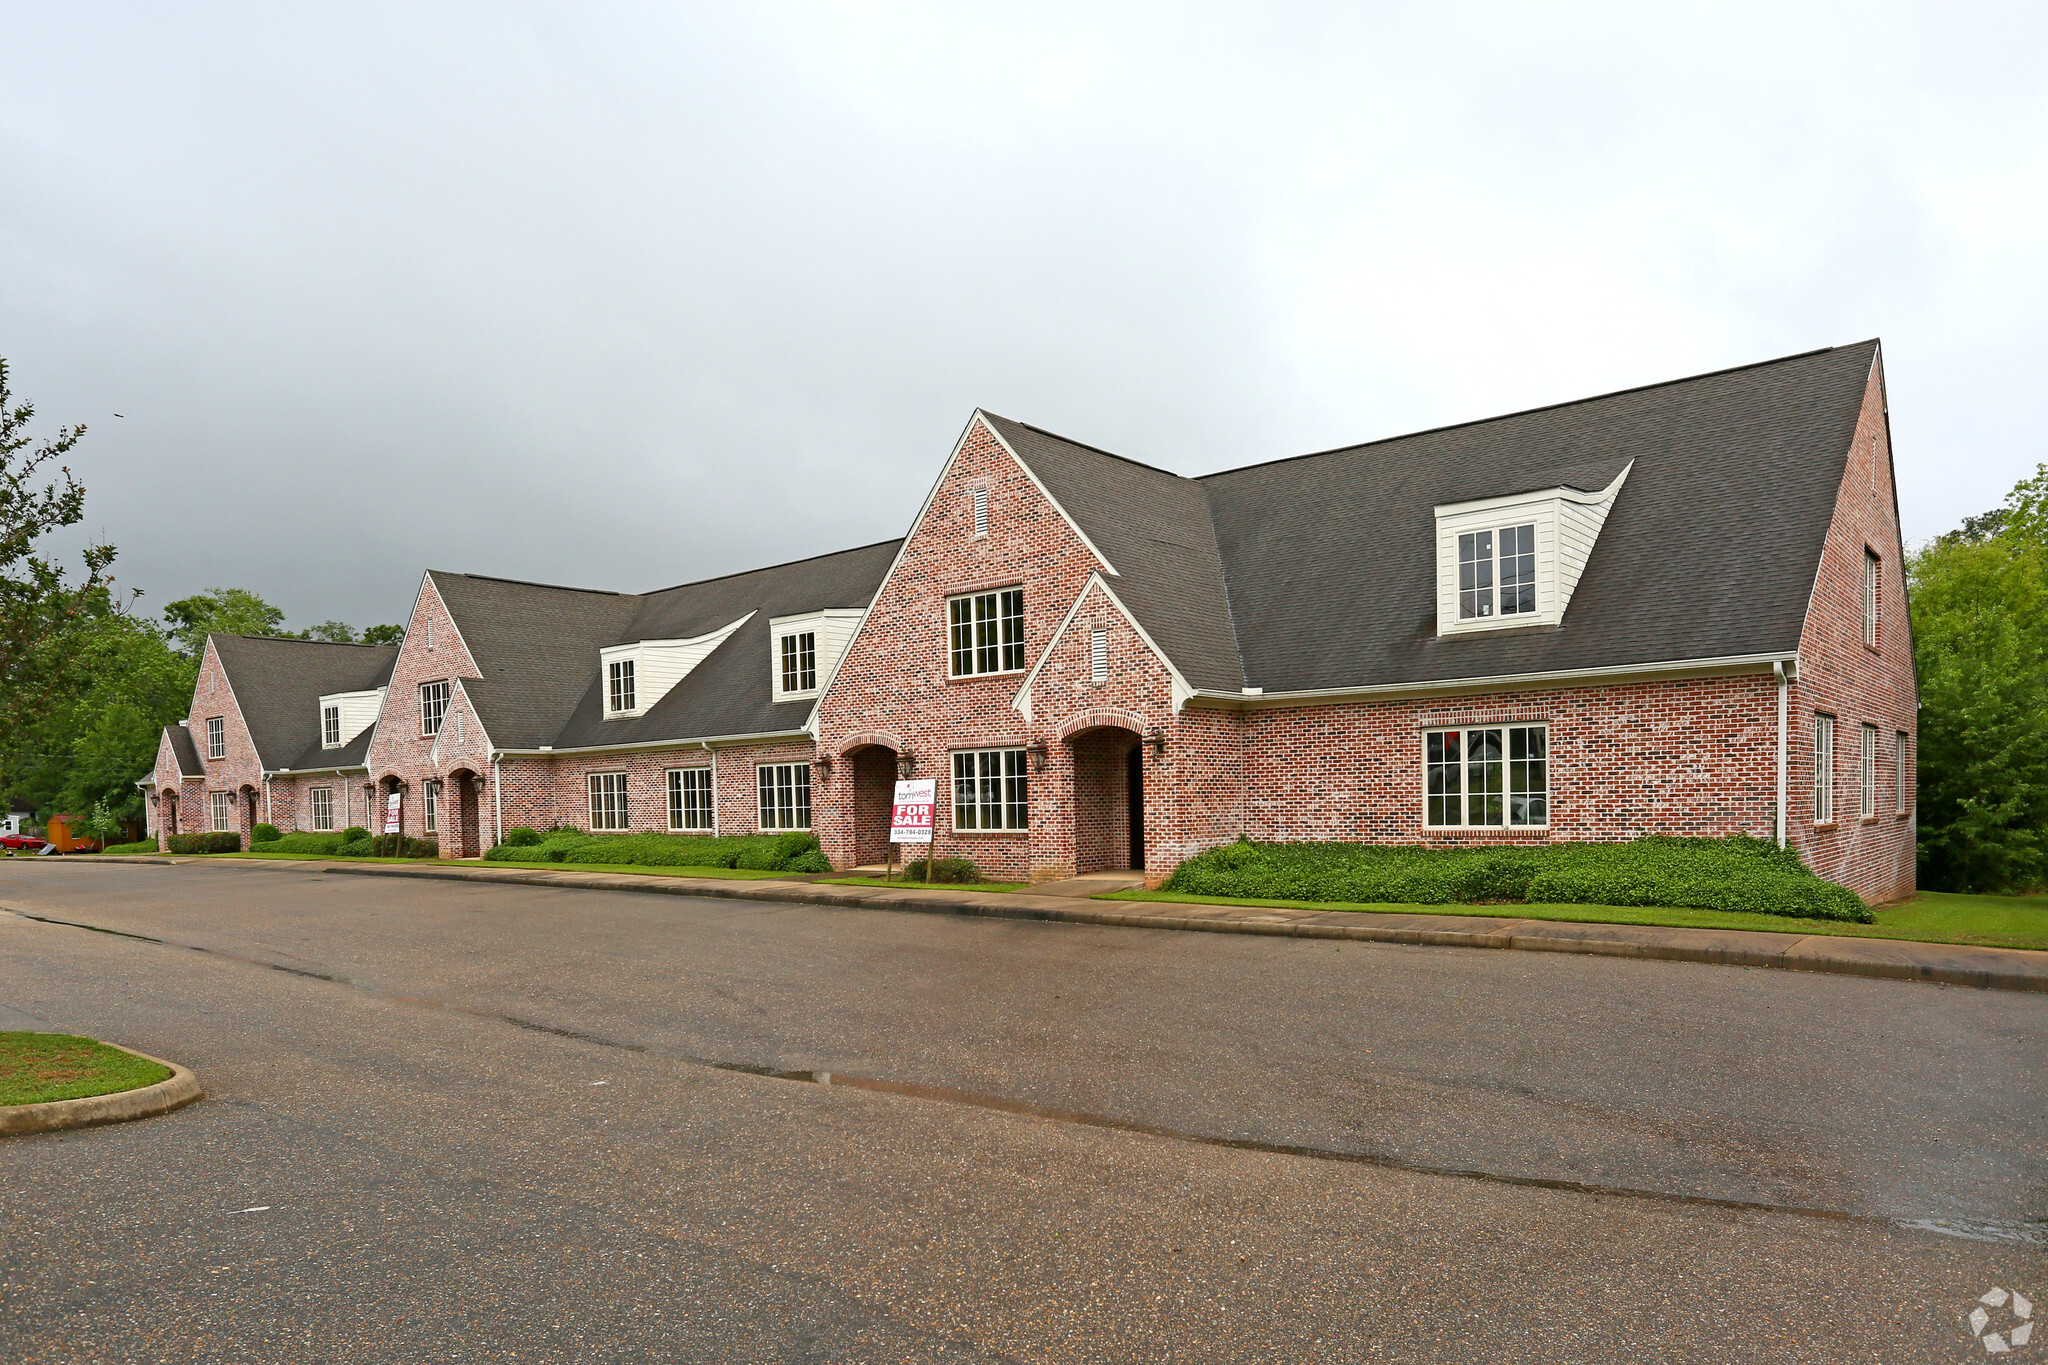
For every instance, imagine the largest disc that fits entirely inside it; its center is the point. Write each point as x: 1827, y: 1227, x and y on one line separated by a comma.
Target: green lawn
x: 899, y: 883
x: 36, y: 1067
x: 1930, y: 917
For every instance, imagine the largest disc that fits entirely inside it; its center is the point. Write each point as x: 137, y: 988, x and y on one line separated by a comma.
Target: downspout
x: 1778, y: 670
x: 266, y: 800
x: 498, y: 795
x: 714, y: 786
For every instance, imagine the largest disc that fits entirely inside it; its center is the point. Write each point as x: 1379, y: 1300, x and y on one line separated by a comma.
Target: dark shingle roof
x: 538, y: 650
x: 278, y: 685
x: 185, y: 751
x: 1328, y: 560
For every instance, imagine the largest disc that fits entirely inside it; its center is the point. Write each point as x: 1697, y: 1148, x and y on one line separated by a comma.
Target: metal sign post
x: 910, y: 818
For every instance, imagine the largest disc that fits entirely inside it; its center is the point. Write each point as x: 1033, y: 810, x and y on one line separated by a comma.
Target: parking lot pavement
x: 484, y: 1140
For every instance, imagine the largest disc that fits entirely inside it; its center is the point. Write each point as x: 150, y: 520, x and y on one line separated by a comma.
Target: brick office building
x: 1676, y: 609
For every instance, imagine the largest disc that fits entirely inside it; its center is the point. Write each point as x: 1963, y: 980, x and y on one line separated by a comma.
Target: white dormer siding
x: 658, y: 665
x: 1566, y: 522
x: 358, y: 712
x: 831, y: 631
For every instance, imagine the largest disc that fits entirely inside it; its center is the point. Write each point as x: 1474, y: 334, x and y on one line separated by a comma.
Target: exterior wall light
x: 1156, y: 737
x: 906, y: 764
x: 1038, y: 750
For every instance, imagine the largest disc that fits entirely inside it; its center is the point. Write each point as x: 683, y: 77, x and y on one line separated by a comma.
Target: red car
x: 27, y: 841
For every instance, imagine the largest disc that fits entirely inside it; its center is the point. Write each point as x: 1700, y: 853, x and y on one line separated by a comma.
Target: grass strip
x: 901, y: 884
x: 1930, y: 917
x: 638, y: 869
x: 36, y: 1068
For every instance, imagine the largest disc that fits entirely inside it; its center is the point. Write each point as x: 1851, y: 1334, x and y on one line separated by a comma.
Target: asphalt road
x: 450, y: 1121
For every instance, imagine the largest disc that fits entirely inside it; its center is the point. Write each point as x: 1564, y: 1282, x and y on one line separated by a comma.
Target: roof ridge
x: 1544, y: 407
x: 297, y: 640
x: 529, y: 583
x: 742, y: 573
x: 1083, y: 445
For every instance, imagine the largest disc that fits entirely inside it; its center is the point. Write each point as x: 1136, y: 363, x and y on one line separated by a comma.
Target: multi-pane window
x: 321, y: 799
x: 987, y: 632
x: 330, y: 727
x: 1497, y: 572
x: 1871, y: 566
x: 1491, y: 775
x: 689, y: 798
x: 1902, y: 781
x: 431, y: 809
x: 1867, y: 805
x: 608, y: 801
x: 800, y: 662
x: 1823, y: 769
x: 785, y: 795
x: 981, y: 511
x: 989, y: 790
x: 619, y: 686
x: 221, y: 810
x: 216, y: 737
x: 1098, y: 655
x: 433, y: 706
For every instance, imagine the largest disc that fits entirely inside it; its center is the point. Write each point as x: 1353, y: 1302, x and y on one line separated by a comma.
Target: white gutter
x: 706, y: 742
x: 266, y: 800
x: 714, y: 782
x: 1734, y: 663
x: 498, y: 798
x: 1779, y: 670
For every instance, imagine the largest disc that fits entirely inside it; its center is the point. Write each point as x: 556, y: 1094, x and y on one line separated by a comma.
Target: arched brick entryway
x: 1109, y: 801
x: 871, y: 768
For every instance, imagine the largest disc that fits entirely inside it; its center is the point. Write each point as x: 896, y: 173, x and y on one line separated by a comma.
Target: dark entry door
x: 1134, y: 783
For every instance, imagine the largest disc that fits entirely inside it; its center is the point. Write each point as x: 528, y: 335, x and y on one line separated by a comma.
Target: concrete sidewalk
x: 2011, y: 969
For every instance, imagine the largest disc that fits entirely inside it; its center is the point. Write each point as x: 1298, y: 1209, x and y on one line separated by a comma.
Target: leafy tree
x: 220, y: 611
x: 334, y: 632
x: 42, y: 611
x: 384, y: 635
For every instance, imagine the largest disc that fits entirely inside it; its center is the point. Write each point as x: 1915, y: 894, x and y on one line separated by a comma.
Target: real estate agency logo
x: 2002, y: 1320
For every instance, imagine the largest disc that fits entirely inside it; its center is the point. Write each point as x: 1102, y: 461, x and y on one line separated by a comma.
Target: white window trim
x: 1873, y: 571
x: 1901, y: 781
x: 980, y: 500
x: 330, y: 727
x: 1023, y: 641
x: 1023, y: 774
x: 1866, y: 803
x: 761, y: 805
x: 1823, y: 768
x: 447, y: 697
x: 430, y: 806
x: 220, y: 812
x: 624, y: 793
x: 783, y: 692
x: 1563, y: 517
x: 673, y: 793
x: 313, y: 796
x: 1549, y: 787
x: 1098, y: 655
x: 615, y: 671
x: 216, y: 736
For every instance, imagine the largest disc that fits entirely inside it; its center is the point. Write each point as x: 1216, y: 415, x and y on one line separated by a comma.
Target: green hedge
x: 139, y: 846
x: 206, y: 843
x: 1738, y: 873
x: 796, y: 851
x: 265, y: 834
x: 300, y: 842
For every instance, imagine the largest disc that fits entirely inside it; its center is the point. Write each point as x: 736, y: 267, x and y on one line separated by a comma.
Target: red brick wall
x: 554, y: 789
x: 400, y: 751
x: 1855, y: 683
x: 241, y: 769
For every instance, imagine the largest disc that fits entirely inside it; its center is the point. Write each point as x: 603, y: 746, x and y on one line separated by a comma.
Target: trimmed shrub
x: 354, y: 848
x: 813, y: 861
x: 520, y: 836
x: 228, y: 842
x: 265, y: 834
x: 652, y: 848
x: 952, y: 870
x: 303, y: 842
x: 140, y: 846
x: 1738, y: 873
x: 353, y: 833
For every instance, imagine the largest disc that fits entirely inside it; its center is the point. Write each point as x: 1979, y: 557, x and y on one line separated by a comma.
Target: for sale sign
x: 391, y: 813
x: 910, y: 819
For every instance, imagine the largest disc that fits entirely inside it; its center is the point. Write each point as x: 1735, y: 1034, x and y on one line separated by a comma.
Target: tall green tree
x: 220, y: 611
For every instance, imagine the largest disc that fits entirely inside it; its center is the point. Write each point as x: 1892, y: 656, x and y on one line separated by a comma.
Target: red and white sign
x: 910, y: 819
x: 391, y: 813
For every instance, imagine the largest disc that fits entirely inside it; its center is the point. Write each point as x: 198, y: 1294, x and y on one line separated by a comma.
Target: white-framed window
x: 1867, y: 790
x: 1823, y: 769
x: 981, y: 511
x: 1486, y: 775
x: 987, y: 632
x: 433, y: 706
x: 430, y: 632
x: 607, y: 801
x: 430, y: 805
x: 330, y: 727
x: 689, y: 798
x: 785, y: 795
x: 1902, y: 774
x: 799, y: 653
x: 1497, y: 572
x: 1098, y: 656
x: 320, y: 800
x: 1872, y: 567
x: 221, y: 808
x: 989, y: 790
x: 619, y: 685
x: 216, y: 737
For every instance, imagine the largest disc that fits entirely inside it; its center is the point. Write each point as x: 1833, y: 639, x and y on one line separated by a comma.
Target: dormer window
x: 619, y: 686
x: 330, y: 727
x: 800, y: 662
x: 1497, y: 572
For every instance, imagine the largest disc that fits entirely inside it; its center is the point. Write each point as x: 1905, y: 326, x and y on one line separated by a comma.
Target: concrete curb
x: 1950, y: 964
x: 175, y: 1091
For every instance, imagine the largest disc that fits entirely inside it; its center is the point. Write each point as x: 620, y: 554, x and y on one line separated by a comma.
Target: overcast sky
x: 623, y: 296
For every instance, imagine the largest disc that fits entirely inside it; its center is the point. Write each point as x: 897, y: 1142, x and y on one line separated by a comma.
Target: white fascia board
x: 443, y: 597
x: 694, y: 741
x: 1182, y: 692
x: 1534, y: 495
x: 822, y: 614
x: 1045, y: 492
x: 1564, y: 677
x: 643, y: 685
x: 482, y: 733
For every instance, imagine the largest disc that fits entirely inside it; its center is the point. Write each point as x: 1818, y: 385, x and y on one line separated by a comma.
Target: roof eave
x: 1659, y: 671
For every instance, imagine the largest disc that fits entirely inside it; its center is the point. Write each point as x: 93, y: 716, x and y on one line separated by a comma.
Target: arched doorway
x: 167, y: 814
x: 1109, y: 798
x: 873, y: 768
x: 250, y: 818
x: 463, y: 835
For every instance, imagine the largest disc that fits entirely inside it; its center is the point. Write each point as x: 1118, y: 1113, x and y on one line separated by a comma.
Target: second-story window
x: 216, y: 737
x: 987, y: 632
x: 800, y: 662
x: 619, y: 686
x: 330, y: 727
x: 1497, y: 572
x: 433, y: 706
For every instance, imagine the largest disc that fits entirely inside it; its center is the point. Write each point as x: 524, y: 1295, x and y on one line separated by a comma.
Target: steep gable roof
x: 179, y: 737
x: 535, y: 646
x: 278, y: 685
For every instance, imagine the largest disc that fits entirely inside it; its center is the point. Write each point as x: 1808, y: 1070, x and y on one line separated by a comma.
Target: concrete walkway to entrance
x: 1092, y: 884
